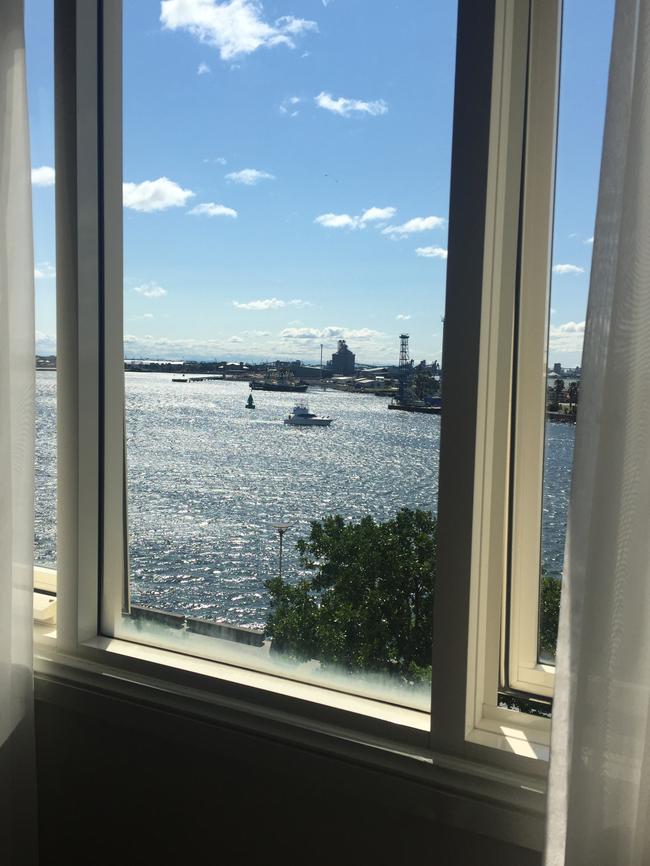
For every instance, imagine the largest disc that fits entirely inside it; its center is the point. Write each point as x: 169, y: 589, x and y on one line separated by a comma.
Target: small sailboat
x: 250, y: 403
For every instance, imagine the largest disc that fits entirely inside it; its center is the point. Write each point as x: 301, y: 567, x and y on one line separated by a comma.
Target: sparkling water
x: 208, y: 478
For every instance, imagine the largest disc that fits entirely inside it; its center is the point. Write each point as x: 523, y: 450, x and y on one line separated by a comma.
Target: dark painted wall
x: 124, y: 784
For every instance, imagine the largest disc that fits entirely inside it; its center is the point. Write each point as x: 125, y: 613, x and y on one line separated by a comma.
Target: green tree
x: 549, y: 613
x: 574, y: 393
x: 368, y: 602
x: 368, y: 605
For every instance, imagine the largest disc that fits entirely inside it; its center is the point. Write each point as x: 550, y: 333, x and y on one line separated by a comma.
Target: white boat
x: 300, y: 416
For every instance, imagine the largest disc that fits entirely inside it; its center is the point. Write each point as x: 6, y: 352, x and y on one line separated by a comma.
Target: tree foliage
x: 368, y: 602
x: 549, y: 614
x: 368, y: 605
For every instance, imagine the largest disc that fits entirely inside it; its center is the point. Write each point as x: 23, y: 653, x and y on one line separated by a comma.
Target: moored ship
x: 278, y: 380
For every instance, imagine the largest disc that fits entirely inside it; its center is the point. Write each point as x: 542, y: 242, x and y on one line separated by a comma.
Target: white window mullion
x: 114, y: 584
x: 525, y: 673
x: 78, y: 361
x: 481, y: 276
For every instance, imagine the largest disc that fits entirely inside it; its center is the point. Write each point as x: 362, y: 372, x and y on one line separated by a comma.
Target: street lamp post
x: 281, y: 528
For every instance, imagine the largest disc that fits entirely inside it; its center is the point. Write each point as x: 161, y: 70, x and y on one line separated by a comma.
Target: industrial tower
x: 404, y: 360
x: 404, y: 368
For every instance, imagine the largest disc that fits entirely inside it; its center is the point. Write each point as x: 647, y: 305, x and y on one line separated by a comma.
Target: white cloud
x: 154, y: 195
x: 249, y: 176
x: 588, y: 241
x: 209, y: 208
x: 203, y: 69
x: 288, y: 106
x: 567, y: 337
x: 337, y: 221
x: 431, y: 252
x: 45, y: 343
x: 374, y: 214
x: 347, y: 107
x: 332, y: 332
x: 44, y: 271
x: 417, y: 224
x: 43, y: 176
x: 150, y: 290
x: 348, y: 221
x: 567, y: 269
x: 235, y: 27
x: 301, y: 341
x: 404, y: 317
x: 269, y: 304
x: 235, y: 340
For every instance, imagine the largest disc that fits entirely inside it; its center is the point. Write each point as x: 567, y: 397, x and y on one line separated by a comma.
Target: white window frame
x: 524, y: 672
x: 498, y: 216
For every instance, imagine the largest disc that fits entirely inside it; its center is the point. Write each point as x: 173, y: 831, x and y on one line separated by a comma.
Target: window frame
x: 497, y: 212
x: 523, y: 670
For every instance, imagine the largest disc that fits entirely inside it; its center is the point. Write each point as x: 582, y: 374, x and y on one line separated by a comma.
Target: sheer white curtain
x: 17, y: 768
x: 599, y: 793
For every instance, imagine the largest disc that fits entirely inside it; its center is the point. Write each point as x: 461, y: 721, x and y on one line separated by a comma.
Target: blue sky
x: 287, y: 175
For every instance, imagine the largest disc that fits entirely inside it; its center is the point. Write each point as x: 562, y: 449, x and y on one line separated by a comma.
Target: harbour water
x: 207, y: 479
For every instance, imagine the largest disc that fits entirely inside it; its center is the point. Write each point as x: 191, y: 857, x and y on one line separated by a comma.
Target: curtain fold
x: 599, y: 785
x: 17, y: 759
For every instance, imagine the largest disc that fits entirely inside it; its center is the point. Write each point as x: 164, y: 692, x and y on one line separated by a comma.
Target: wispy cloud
x: 45, y: 343
x: 209, y: 208
x: 150, y: 290
x: 376, y: 214
x: 44, y: 271
x: 249, y: 176
x: 348, y: 221
x: 235, y: 27
x: 155, y: 195
x: 203, y: 69
x: 43, y: 176
x: 417, y: 224
x: 330, y: 333
x: 588, y: 241
x: 269, y: 304
x: 403, y: 317
x: 348, y: 107
x: 568, y: 337
x: 568, y: 269
x: 337, y: 221
x: 288, y: 106
x: 431, y: 252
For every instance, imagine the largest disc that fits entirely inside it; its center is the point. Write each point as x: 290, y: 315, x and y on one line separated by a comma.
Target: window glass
x: 40, y: 82
x: 586, y: 40
x: 285, y: 216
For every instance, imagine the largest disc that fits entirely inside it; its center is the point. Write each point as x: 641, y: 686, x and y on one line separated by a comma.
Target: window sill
x: 467, y: 793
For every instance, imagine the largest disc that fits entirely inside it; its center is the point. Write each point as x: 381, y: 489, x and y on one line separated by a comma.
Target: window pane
x: 286, y: 195
x: 40, y: 80
x: 587, y: 29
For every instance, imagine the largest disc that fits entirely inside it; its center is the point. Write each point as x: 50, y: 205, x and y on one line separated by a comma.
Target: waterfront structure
x: 404, y: 360
x: 342, y: 360
x: 278, y: 380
